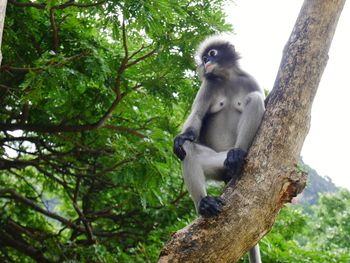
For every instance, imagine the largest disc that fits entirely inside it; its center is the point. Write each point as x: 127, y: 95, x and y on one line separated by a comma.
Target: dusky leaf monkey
x: 224, y: 119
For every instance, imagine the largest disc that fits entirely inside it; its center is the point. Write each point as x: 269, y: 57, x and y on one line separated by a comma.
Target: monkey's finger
x: 177, y: 143
x: 180, y: 153
x: 210, y: 211
x: 210, y: 206
x: 220, y: 201
x: 215, y: 210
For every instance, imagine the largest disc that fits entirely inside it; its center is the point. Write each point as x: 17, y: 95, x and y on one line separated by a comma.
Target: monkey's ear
x: 233, y: 50
x: 232, y: 47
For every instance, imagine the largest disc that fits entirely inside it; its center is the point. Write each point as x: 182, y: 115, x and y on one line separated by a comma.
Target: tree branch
x: 12, y: 194
x: 140, y: 58
x: 47, y: 128
x: 54, y: 30
x: 16, y: 70
x: 122, y: 67
x: 270, y: 176
x: 29, y: 4
x: 63, y: 6
x: 22, y: 246
x: 125, y: 129
x: 118, y: 164
x: 62, y: 128
x: 87, y: 225
x: 137, y: 52
x: 18, y: 164
x: 71, y: 3
x: 50, y: 64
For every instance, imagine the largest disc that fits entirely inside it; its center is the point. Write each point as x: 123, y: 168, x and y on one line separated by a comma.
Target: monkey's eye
x: 212, y: 52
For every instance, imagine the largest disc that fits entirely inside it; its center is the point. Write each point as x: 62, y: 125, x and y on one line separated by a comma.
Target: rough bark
x: 3, y: 4
x: 271, y: 177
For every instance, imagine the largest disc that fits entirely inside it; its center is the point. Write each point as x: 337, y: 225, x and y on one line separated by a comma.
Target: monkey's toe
x: 210, y: 206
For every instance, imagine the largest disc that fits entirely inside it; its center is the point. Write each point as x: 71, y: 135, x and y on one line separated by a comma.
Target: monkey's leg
x: 193, y: 173
x: 200, y: 163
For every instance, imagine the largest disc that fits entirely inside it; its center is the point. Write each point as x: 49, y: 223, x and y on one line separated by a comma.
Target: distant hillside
x: 316, y: 184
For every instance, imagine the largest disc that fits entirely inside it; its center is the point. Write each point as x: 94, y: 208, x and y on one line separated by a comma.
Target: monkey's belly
x: 219, y: 132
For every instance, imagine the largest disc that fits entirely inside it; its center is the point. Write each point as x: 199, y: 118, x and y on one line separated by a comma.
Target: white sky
x: 262, y: 29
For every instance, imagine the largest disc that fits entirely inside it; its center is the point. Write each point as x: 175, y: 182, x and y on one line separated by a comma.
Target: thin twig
x: 87, y: 226
x: 122, y: 66
x: 71, y: 3
x: 125, y: 129
x: 137, y: 52
x: 140, y: 58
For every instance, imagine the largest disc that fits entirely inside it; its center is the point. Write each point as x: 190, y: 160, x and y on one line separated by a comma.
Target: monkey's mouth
x: 209, y: 67
x: 210, y: 71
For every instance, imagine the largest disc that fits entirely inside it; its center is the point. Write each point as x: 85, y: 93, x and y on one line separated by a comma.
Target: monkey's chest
x: 225, y: 103
x: 219, y: 127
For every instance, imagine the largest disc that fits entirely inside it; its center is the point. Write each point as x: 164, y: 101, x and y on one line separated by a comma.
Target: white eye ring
x: 212, y: 52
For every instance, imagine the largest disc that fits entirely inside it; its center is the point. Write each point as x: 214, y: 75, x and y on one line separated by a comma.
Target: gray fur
x: 226, y: 114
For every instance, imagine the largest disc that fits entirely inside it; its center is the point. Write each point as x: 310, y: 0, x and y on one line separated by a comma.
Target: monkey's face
x: 217, y: 61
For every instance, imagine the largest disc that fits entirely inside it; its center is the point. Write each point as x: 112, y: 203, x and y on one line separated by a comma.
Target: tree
x: 271, y: 176
x: 2, y: 19
x: 91, y: 96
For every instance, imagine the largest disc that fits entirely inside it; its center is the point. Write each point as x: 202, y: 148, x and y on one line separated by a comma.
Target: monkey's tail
x: 254, y: 254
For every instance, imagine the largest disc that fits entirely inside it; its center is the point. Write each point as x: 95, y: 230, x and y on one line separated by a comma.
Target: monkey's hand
x: 234, y: 161
x: 210, y: 206
x: 180, y: 140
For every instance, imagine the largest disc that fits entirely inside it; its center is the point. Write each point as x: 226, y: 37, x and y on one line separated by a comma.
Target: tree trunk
x: 271, y: 176
x: 2, y: 20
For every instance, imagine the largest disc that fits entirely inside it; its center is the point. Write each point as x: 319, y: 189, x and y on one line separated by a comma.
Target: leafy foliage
x: 92, y: 94
x: 319, y: 235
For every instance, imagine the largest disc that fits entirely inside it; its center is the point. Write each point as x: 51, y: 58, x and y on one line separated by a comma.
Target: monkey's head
x: 216, y: 57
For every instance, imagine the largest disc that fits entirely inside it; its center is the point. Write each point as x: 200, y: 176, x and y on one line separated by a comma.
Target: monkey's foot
x: 234, y: 161
x: 210, y: 206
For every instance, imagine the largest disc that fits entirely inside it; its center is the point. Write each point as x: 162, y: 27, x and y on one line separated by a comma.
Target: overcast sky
x: 262, y: 29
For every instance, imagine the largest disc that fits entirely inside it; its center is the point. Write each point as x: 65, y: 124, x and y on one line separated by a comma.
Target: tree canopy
x: 92, y: 94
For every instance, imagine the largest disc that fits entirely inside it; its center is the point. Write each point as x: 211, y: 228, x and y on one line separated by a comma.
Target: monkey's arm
x: 248, y: 125
x: 193, y: 123
x: 250, y: 120
x: 199, y: 109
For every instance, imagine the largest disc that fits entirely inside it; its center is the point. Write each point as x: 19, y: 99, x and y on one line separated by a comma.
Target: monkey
x: 225, y: 116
